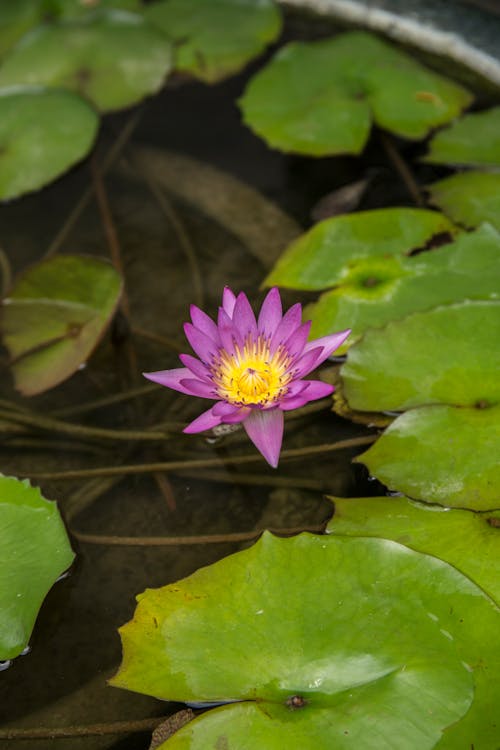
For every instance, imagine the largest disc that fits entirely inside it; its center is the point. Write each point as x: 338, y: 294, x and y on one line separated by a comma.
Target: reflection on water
x: 179, y: 245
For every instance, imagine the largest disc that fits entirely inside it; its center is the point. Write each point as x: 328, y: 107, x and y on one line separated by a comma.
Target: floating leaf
x: 215, y: 39
x: 42, y: 134
x: 441, y: 454
x: 378, y: 290
x: 474, y: 140
x: 370, y: 628
x: 54, y: 317
x: 468, y: 541
x: 16, y: 18
x: 77, y: 8
x: 448, y: 355
x: 34, y: 551
x: 469, y: 198
x: 344, y: 246
x: 113, y: 58
x: 320, y: 98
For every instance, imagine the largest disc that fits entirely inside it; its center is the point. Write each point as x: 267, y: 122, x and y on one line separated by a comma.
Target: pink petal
x: 289, y: 323
x: 204, y: 346
x: 238, y: 416
x: 205, y: 324
x: 243, y: 317
x: 224, y: 409
x: 329, y: 344
x: 296, y: 387
x: 228, y: 301
x: 199, y: 388
x: 265, y: 430
x: 296, y: 342
x: 197, y: 368
x: 205, y: 421
x: 270, y: 313
x: 170, y: 378
x: 314, y: 389
x: 307, y: 362
x: 229, y: 334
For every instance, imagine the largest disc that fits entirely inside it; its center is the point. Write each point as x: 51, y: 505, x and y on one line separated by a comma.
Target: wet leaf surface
x: 309, y: 679
x: 54, y: 316
x: 216, y: 39
x: 442, y: 356
x: 34, y: 552
x: 386, y: 288
x: 113, y: 58
x: 320, y: 98
x: 42, y: 134
x: 473, y: 140
x: 441, y: 454
x: 469, y: 198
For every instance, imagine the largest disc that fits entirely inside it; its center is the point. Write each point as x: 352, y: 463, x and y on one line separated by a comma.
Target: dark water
x: 185, y: 143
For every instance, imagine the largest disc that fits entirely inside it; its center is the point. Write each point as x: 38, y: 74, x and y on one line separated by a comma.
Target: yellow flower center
x: 251, y: 376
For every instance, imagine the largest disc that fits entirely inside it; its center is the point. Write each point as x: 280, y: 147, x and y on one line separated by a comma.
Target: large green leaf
x: 330, y: 642
x: 34, y: 551
x: 474, y: 140
x: 54, y: 317
x: 16, y: 18
x: 217, y: 38
x: 113, y: 58
x: 42, y: 134
x: 78, y: 8
x: 441, y: 454
x: 469, y: 541
x: 344, y: 248
x: 469, y: 198
x: 320, y: 98
x: 449, y: 355
x: 468, y: 268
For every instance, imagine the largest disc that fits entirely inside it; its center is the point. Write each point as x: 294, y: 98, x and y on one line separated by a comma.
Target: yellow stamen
x: 251, y: 376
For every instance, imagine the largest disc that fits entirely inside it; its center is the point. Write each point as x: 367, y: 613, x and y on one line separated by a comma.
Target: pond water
x: 198, y: 202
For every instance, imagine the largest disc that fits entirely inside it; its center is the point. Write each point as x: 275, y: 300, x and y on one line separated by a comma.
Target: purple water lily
x: 253, y: 368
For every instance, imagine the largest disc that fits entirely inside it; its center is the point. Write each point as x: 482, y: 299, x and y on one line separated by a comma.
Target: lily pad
x: 441, y: 454
x: 320, y: 98
x: 377, y: 290
x: 16, y: 18
x: 77, y: 8
x: 42, y: 133
x: 34, y: 551
x: 113, y: 58
x: 341, y: 247
x: 469, y: 198
x: 448, y: 355
x: 469, y: 541
x: 473, y: 140
x: 216, y: 39
x: 370, y: 629
x: 54, y: 317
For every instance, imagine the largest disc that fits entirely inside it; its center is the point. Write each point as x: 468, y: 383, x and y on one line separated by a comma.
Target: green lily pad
x: 468, y: 541
x: 370, y: 629
x: 474, y: 141
x: 16, y: 18
x: 377, y: 290
x: 441, y: 454
x: 34, y: 551
x: 320, y: 98
x: 216, y: 39
x: 339, y: 248
x: 448, y: 355
x: 469, y: 198
x: 77, y: 8
x: 42, y: 134
x: 54, y: 317
x: 113, y: 58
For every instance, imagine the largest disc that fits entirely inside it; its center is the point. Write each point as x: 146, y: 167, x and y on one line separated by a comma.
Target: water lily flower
x: 254, y: 369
